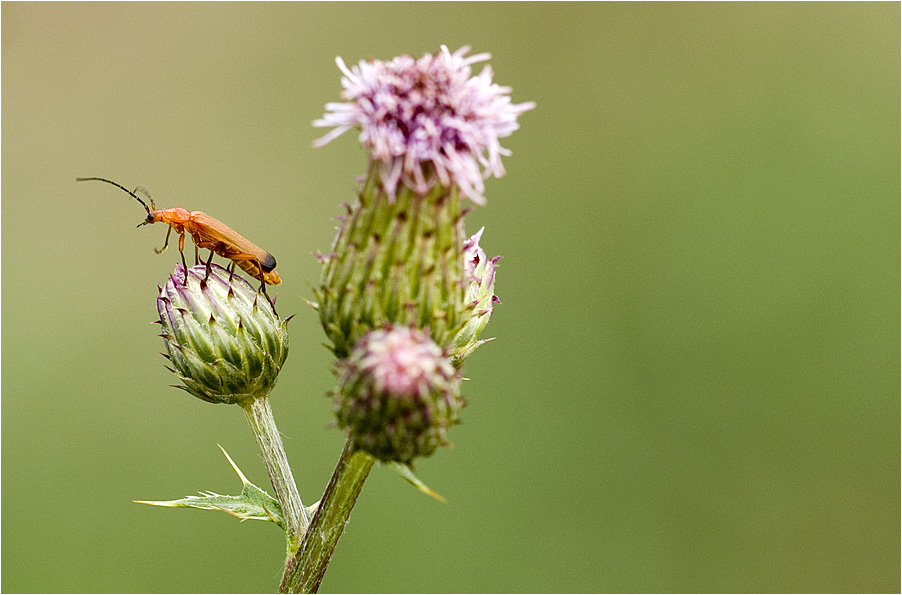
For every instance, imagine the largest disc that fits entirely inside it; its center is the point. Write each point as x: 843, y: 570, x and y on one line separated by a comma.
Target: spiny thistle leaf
x: 311, y: 510
x: 253, y: 503
x: 407, y: 473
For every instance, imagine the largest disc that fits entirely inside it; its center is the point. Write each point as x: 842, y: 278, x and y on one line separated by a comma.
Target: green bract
x: 480, y: 299
x: 223, y: 338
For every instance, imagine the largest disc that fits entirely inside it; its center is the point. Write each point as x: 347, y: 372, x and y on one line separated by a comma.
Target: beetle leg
x: 185, y: 265
x: 242, y: 257
x: 268, y: 299
x: 263, y: 290
x: 165, y: 244
x: 209, y: 262
x: 182, y: 253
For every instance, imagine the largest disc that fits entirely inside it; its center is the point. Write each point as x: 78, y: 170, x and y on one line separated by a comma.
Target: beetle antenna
x: 146, y: 208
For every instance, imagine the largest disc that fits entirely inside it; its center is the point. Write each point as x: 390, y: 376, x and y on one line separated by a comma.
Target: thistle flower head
x: 427, y: 120
x: 398, y: 394
x: 224, y: 340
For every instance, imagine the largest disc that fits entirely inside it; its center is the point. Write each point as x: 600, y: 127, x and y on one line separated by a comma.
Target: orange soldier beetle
x: 210, y: 234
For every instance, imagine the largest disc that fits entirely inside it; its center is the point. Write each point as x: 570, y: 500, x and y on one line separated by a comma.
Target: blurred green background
x: 695, y: 385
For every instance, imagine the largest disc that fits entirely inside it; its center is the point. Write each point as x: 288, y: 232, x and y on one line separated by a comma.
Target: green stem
x: 304, y: 572
x: 259, y: 416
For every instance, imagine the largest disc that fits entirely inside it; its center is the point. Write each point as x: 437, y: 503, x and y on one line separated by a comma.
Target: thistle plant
x: 227, y: 345
x: 403, y: 298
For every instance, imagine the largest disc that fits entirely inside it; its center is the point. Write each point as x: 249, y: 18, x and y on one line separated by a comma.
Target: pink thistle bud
x: 398, y: 394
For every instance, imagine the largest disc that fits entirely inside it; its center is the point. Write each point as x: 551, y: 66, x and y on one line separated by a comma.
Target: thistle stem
x: 269, y: 441
x: 304, y: 572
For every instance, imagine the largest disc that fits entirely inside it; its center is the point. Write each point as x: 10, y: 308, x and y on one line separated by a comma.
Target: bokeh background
x: 695, y: 382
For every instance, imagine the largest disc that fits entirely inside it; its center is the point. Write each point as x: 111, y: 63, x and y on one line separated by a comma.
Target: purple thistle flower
x: 427, y: 120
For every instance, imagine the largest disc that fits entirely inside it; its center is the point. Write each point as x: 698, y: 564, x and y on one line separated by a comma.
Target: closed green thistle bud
x: 398, y: 395
x: 223, y: 338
